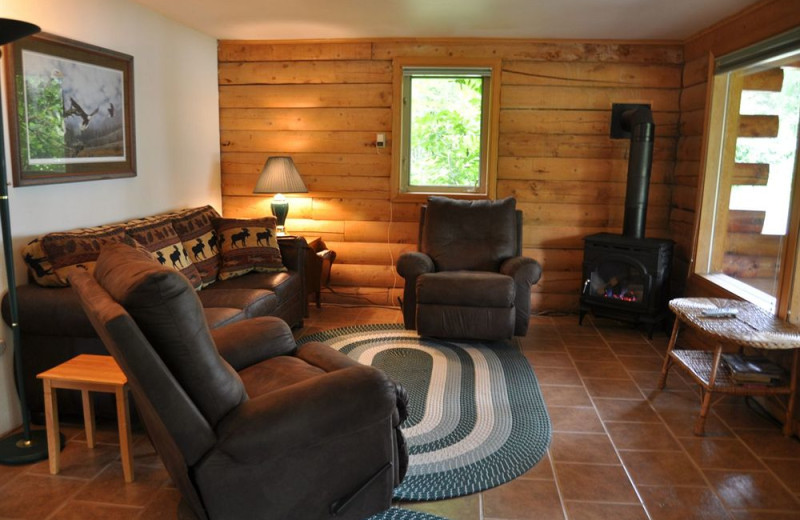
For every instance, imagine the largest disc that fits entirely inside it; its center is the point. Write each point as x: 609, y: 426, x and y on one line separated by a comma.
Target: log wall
x: 323, y: 102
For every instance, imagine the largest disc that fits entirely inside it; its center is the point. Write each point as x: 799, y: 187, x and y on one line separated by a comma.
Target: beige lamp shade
x: 279, y: 175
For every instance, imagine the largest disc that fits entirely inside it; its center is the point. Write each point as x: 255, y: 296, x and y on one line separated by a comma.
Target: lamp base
x: 280, y: 208
x: 16, y: 450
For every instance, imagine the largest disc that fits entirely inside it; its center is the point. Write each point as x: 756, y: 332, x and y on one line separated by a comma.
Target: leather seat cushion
x: 252, y: 302
x: 283, y: 284
x: 466, y: 288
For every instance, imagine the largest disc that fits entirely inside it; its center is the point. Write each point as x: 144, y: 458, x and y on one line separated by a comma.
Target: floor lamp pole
x: 28, y: 446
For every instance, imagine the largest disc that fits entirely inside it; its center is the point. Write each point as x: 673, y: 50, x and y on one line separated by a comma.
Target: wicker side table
x: 751, y: 327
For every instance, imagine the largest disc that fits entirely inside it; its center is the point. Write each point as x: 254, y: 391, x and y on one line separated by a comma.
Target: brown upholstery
x: 468, y: 280
x: 248, y: 424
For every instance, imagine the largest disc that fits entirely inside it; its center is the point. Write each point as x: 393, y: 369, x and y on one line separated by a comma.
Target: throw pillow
x: 78, y: 250
x: 248, y: 245
x: 39, y: 266
x: 195, y: 227
x: 163, y: 242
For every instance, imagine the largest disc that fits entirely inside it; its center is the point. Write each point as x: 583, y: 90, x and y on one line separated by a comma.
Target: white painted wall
x: 177, y: 133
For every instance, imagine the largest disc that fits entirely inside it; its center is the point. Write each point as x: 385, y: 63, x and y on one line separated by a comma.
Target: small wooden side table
x: 88, y: 373
x: 751, y: 327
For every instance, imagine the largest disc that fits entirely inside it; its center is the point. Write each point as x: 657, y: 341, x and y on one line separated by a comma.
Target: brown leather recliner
x: 468, y: 280
x: 248, y: 425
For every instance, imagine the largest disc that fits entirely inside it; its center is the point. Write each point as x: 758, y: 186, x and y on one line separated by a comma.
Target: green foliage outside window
x: 445, y: 131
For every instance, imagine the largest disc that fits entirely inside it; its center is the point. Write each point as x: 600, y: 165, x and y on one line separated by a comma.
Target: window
x: 747, y: 241
x: 446, y: 119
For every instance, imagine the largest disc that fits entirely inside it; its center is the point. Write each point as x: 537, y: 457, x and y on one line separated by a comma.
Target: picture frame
x: 71, y: 111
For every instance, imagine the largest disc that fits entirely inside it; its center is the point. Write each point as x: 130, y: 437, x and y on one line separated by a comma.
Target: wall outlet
x: 380, y: 140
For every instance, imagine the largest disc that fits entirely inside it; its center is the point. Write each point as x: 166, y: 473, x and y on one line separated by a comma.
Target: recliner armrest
x: 247, y: 342
x: 414, y: 263
x: 522, y: 269
x: 304, y: 414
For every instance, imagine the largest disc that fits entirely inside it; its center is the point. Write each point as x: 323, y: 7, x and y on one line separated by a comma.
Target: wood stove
x: 626, y: 276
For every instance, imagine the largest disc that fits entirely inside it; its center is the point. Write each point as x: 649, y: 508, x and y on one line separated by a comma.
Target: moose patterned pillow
x: 248, y: 245
x: 163, y: 242
x: 196, y: 229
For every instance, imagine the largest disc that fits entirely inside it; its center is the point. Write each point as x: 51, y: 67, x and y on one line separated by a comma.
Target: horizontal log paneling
x: 361, y: 165
x: 750, y: 174
x: 758, y: 126
x: 576, y: 192
x: 591, y: 74
x: 270, y: 142
x: 270, y: 51
x: 304, y: 96
x: 281, y: 72
x: 575, y: 168
x: 352, y: 119
x: 515, y: 50
x: 323, y: 102
x: 585, y: 146
x: 770, y: 80
x: 586, y: 98
x: 574, y: 122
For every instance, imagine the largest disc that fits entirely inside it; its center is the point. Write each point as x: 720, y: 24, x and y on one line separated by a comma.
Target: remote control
x: 725, y: 312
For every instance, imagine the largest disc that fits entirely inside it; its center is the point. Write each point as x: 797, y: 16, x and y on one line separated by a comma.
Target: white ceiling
x: 537, y: 19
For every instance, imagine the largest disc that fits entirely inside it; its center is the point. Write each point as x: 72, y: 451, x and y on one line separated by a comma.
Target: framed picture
x: 70, y: 111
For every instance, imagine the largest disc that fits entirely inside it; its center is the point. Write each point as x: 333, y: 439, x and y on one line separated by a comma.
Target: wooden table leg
x: 788, y: 426
x: 662, y: 381
x: 123, y: 419
x: 700, y: 424
x: 51, y: 421
x: 88, y: 417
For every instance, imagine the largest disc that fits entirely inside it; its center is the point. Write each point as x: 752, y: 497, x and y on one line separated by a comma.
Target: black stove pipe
x: 639, y: 122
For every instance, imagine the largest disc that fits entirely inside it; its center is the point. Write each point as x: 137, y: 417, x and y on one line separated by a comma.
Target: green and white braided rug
x: 476, y: 415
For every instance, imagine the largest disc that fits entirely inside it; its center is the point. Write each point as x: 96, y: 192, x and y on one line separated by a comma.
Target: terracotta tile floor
x: 621, y: 449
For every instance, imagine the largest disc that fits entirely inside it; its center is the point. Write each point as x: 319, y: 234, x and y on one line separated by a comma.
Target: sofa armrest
x: 57, y: 307
x: 247, y: 342
x: 293, y: 252
x: 296, y: 417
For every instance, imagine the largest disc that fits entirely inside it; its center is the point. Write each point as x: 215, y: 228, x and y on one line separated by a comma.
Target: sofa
x: 248, y: 424
x: 236, y: 277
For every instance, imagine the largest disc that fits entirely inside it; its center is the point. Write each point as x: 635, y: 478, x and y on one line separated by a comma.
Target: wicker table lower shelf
x: 751, y: 328
x: 700, y: 365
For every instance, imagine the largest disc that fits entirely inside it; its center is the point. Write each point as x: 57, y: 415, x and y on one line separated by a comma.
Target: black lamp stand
x: 28, y: 446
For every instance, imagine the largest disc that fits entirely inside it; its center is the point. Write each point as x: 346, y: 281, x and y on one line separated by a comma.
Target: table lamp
x: 280, y: 176
x: 28, y: 446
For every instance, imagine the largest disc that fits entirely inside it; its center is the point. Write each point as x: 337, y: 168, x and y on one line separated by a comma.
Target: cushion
x: 167, y: 310
x: 162, y: 241
x: 469, y: 234
x: 466, y: 289
x: 195, y: 227
x: 39, y: 266
x: 78, y: 250
x: 248, y: 245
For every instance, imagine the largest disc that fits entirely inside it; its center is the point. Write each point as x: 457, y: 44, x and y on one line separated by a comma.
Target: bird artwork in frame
x: 70, y: 111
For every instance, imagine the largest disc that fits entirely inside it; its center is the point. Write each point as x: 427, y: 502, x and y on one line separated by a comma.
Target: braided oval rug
x: 476, y: 415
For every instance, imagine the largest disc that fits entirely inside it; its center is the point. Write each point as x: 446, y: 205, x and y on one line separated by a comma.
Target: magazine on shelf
x: 753, y: 369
